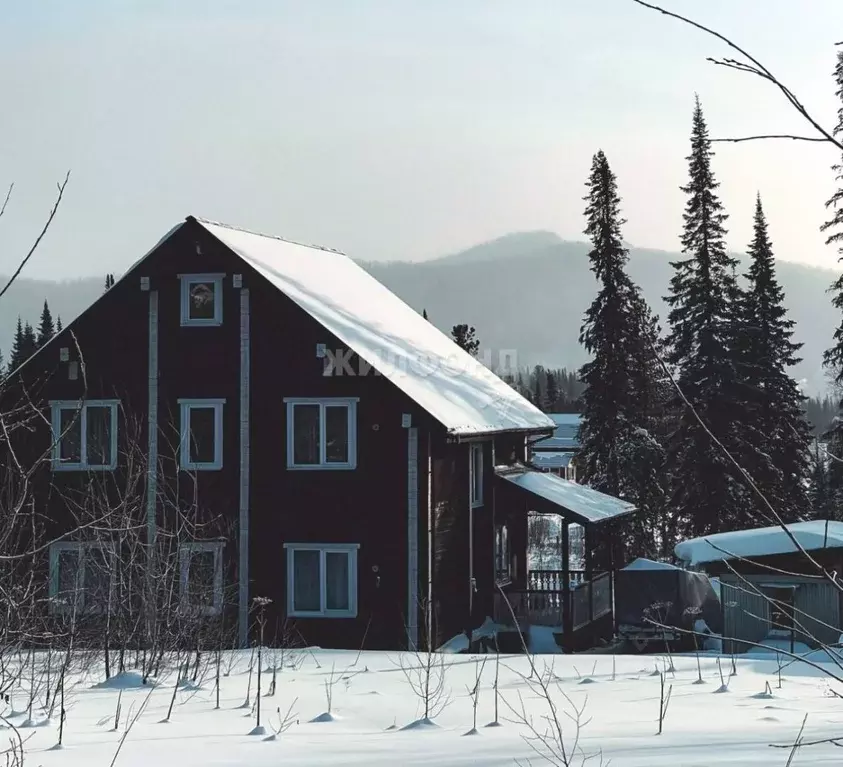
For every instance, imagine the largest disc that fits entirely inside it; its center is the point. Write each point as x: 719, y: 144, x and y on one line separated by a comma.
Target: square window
x: 201, y: 299
x: 200, y: 583
x: 81, y: 578
x: 84, y: 435
x: 201, y: 434
x: 476, y: 471
x: 321, y: 580
x: 321, y: 434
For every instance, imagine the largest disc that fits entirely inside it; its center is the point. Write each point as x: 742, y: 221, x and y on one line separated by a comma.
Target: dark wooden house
x: 293, y: 431
x: 771, y: 593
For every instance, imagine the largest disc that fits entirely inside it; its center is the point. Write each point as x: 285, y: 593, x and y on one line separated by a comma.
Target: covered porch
x: 574, y: 595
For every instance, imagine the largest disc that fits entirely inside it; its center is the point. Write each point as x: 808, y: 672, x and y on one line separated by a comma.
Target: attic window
x: 201, y: 299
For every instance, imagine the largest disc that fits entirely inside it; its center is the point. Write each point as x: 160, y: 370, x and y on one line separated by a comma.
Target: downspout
x: 152, y: 448
x: 243, y: 554
x: 429, y: 610
x: 412, y: 537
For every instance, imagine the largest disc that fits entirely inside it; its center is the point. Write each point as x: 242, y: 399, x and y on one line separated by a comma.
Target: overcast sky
x: 396, y: 129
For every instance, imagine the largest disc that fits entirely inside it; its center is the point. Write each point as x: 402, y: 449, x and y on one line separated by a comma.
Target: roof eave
x: 454, y: 435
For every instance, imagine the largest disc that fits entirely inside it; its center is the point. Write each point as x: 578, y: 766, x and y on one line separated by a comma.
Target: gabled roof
x: 424, y: 363
x: 761, y: 542
x: 549, y: 459
x: 564, y: 434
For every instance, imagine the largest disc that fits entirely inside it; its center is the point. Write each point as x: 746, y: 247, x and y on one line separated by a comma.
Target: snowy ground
x: 372, y: 701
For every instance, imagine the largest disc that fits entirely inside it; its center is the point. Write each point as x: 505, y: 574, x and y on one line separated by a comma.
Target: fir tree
x: 30, y: 341
x: 707, y: 493
x: 58, y: 325
x: 424, y: 313
x: 621, y: 398
x: 774, y: 423
x: 833, y: 357
x: 551, y: 393
x: 16, y: 352
x: 109, y: 282
x: 820, y: 492
x: 46, y: 328
x: 464, y: 336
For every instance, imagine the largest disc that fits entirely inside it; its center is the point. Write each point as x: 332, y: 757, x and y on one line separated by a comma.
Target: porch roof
x: 581, y: 504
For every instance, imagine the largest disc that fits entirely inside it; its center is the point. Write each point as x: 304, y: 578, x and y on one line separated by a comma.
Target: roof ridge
x: 264, y: 234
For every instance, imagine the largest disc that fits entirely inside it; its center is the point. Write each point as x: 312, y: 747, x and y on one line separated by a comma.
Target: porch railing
x: 543, y: 603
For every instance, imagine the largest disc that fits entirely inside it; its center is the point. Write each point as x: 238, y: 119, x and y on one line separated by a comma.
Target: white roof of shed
x: 761, y: 542
x: 452, y: 386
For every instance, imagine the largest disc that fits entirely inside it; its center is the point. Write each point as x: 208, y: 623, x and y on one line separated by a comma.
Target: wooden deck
x: 543, y: 603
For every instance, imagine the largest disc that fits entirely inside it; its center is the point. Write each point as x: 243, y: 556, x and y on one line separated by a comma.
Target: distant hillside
x: 525, y: 292
x: 529, y: 294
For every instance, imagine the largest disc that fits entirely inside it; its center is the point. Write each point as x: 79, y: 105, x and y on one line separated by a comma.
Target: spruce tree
x: 619, y: 447
x: 58, y: 325
x: 465, y: 337
x: 774, y: 425
x: 46, y: 328
x: 707, y: 493
x: 424, y: 313
x: 551, y: 393
x: 30, y: 342
x: 109, y: 282
x: 833, y: 357
x: 16, y: 352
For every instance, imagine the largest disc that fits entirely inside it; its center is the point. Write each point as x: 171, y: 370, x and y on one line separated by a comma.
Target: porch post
x: 566, y: 583
x: 588, y: 542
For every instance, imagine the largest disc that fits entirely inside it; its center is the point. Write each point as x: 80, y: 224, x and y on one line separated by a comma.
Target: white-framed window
x: 476, y: 472
x: 81, y: 579
x: 200, y: 577
x: 84, y: 435
x: 322, y: 580
x: 503, y: 560
x: 201, y: 434
x: 321, y: 433
x: 201, y: 299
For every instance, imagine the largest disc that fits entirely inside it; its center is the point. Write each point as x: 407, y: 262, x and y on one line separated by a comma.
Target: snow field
x: 374, y: 713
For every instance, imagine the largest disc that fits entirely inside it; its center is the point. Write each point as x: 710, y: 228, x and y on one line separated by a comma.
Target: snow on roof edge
x: 483, y: 396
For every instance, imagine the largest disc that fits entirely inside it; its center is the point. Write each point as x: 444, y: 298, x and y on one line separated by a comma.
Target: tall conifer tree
x: 620, y: 382
x: 46, y: 327
x: 707, y: 493
x: 833, y: 357
x: 17, y: 350
x: 775, y: 425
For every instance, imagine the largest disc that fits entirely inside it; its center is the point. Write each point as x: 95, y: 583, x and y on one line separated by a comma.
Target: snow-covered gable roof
x: 761, y: 542
x: 551, y: 460
x: 447, y: 382
x: 564, y: 434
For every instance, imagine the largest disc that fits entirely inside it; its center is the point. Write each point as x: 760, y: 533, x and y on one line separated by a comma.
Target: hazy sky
x: 395, y: 128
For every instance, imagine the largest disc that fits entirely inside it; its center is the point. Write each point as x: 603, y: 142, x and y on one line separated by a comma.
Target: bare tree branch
x: 755, y: 67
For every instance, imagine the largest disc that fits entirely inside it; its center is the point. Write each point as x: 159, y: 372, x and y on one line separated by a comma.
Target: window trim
x: 185, y: 406
x: 476, y: 497
x: 56, y: 407
x: 351, y: 404
x: 56, y: 548
x: 186, y: 281
x: 185, y: 550
x: 350, y: 549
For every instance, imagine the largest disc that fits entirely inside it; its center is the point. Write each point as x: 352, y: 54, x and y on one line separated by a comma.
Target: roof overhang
x: 578, y: 503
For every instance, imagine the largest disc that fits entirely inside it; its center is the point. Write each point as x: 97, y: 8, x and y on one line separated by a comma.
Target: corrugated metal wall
x: 746, y: 614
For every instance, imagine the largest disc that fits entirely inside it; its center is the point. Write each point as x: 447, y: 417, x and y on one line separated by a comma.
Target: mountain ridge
x: 525, y: 293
